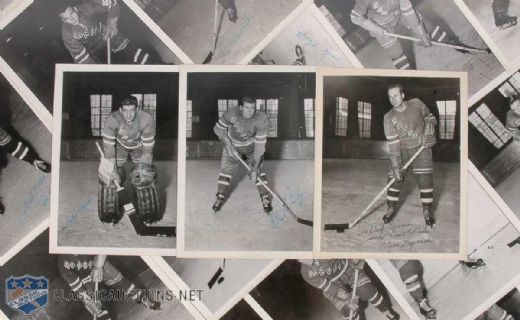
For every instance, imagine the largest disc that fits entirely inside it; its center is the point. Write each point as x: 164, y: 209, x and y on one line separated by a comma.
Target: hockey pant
x: 495, y: 313
x: 17, y: 148
x: 410, y: 273
x: 423, y: 172
x: 122, y: 154
x: 229, y: 164
x: 112, y: 278
x: 393, y: 47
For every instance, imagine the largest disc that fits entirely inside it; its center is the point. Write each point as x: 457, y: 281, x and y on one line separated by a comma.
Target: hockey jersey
x: 86, y: 38
x: 76, y: 269
x: 139, y: 133
x: 331, y: 276
x: 405, y: 129
x: 384, y: 12
x: 244, y: 132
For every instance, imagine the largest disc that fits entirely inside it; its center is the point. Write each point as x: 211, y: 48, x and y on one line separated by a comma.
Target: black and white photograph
x: 248, y: 162
x: 507, y: 308
x: 115, y: 155
x: 242, y: 310
x: 307, y: 41
x: 39, y: 285
x: 9, y: 9
x: 25, y: 180
x: 457, y: 289
x: 498, y: 20
x: 333, y: 289
x: 493, y: 141
x: 413, y: 34
x: 218, y: 31
x: 393, y: 167
x: 77, y: 31
x: 224, y: 282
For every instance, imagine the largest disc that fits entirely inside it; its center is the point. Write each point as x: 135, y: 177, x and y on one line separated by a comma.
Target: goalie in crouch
x: 243, y: 131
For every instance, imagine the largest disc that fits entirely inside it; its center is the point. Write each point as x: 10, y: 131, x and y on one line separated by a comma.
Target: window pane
x: 341, y: 116
x: 189, y: 117
x: 308, y: 106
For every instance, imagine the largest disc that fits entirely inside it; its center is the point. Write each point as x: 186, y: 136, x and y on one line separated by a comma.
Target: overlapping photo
x: 115, y: 153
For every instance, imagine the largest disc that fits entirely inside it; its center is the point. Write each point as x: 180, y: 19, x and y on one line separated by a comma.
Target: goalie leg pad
x: 147, y: 201
x: 108, y: 203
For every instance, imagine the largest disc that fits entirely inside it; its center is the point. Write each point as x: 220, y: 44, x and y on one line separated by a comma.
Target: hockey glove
x: 143, y: 175
x: 94, y: 307
x: 358, y: 264
x: 97, y: 274
x: 111, y: 29
x: 398, y: 174
x: 397, y: 167
x: 107, y: 171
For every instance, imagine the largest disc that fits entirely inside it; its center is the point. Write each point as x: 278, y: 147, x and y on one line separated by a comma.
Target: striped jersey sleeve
x: 147, y: 132
x: 110, y: 130
x: 262, y: 126
x: 221, y: 127
x: 359, y: 12
x: 392, y: 136
x: 75, y: 47
x: 425, y: 112
x: 409, y: 14
x: 329, y: 288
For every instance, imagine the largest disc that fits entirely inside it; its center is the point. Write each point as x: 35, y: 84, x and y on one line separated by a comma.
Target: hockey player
x: 408, y: 126
x: 382, y: 16
x: 410, y: 273
x: 513, y: 119
x: 19, y: 150
x: 502, y: 19
x: 495, y: 313
x: 130, y: 131
x: 85, y: 32
x: 243, y: 132
x: 81, y: 272
x: 335, y: 278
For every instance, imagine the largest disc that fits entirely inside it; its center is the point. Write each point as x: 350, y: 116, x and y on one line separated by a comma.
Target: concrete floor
x: 475, y: 286
x: 78, y: 222
x: 481, y: 68
x: 349, y: 185
x: 190, y: 25
x: 508, y: 190
x: 196, y: 273
x: 24, y: 191
x: 242, y: 214
x: 285, y: 295
x: 507, y: 39
x: 35, y: 260
x: 307, y: 32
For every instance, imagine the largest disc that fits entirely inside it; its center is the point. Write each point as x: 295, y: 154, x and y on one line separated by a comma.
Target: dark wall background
x: 205, y: 89
x: 374, y: 90
x: 77, y: 140
x: 31, y: 44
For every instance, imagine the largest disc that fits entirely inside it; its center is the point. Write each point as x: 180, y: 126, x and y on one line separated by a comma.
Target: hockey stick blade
x: 339, y: 227
x: 304, y: 221
x: 208, y: 58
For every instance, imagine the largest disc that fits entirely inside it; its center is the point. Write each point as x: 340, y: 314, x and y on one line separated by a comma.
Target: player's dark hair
x: 64, y: 4
x: 247, y: 99
x: 130, y: 100
x: 396, y: 85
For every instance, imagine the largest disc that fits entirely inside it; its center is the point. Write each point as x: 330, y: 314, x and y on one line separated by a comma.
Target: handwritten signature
x: 310, y: 42
x: 83, y: 208
x: 403, y: 236
x: 37, y: 198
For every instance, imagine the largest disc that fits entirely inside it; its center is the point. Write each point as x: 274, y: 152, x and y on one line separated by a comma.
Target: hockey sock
x: 19, y: 150
x: 224, y: 181
x: 368, y: 292
x: 409, y: 273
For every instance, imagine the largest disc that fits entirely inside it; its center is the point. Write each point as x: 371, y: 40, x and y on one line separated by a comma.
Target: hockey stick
x: 463, y: 49
x: 340, y: 227
x: 109, y: 58
x: 215, y: 31
x: 96, y: 288
x: 354, y: 289
x: 298, y: 219
x: 119, y: 188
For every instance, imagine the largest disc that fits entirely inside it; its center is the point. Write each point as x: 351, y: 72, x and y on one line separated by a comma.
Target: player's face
x: 70, y: 16
x: 129, y: 112
x: 515, y: 106
x: 396, y: 97
x: 248, y: 110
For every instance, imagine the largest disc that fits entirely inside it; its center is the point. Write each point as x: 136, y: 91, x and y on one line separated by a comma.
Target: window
x: 364, y: 118
x: 511, y: 87
x: 148, y: 102
x: 308, y: 108
x: 100, y: 108
x: 447, y: 113
x: 489, y: 126
x: 189, y: 121
x: 341, y: 116
x: 270, y: 108
x: 224, y: 104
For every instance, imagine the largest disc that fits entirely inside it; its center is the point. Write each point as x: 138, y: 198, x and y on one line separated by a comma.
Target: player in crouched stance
x: 243, y: 132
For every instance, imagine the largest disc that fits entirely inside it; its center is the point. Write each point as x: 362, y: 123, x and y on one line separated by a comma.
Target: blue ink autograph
x: 304, y: 36
x: 83, y: 208
x: 38, y: 197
